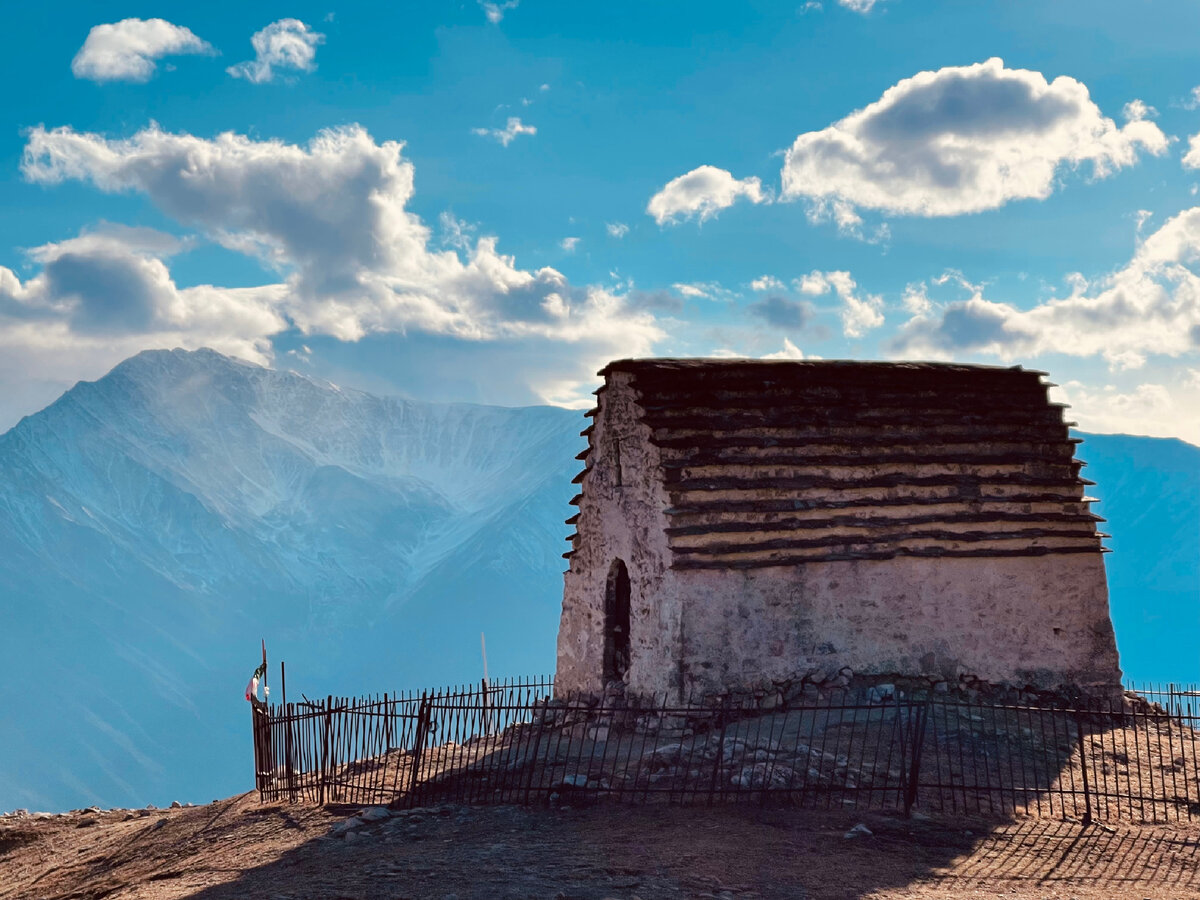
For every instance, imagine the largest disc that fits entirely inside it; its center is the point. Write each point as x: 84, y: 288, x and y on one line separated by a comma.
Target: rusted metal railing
x: 1122, y: 758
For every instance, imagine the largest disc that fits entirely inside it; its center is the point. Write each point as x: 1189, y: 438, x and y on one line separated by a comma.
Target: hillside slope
x: 238, y: 850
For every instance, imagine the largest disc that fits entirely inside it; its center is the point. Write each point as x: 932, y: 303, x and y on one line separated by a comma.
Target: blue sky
x: 485, y: 202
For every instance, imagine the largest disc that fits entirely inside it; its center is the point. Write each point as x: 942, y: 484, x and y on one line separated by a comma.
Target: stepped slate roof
x: 782, y: 462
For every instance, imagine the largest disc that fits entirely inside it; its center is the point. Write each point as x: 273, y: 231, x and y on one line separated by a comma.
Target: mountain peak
x: 154, y: 518
x: 179, y: 359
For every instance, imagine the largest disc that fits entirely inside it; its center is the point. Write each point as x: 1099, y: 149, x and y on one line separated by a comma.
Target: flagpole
x: 483, y: 647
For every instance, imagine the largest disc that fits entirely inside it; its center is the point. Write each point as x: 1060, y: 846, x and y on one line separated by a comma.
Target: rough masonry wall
x: 1041, y: 622
x: 620, y: 517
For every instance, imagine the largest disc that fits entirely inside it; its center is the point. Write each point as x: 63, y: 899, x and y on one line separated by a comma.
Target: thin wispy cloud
x: 286, y: 46
x: 766, y: 283
x: 495, y: 11
x: 859, y: 6
x: 512, y: 129
x: 860, y: 312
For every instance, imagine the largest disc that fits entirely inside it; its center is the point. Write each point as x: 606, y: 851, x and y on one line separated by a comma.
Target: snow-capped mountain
x: 156, y: 523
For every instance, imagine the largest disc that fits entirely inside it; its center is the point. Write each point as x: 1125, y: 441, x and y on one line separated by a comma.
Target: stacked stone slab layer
x: 781, y: 518
x: 770, y: 463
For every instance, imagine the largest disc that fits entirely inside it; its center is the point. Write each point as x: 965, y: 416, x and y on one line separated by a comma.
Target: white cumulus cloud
x: 789, y: 351
x: 105, y: 295
x: 1151, y: 306
x: 1191, y: 159
x: 963, y: 139
x: 127, y: 50
x: 617, y: 229
x: 702, y: 192
x: 330, y: 218
x: 508, y: 133
x: 287, y: 44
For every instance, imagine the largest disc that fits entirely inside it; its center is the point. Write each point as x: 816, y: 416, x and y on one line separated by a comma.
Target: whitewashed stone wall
x: 621, y: 521
x: 1036, y: 620
x: 1039, y: 621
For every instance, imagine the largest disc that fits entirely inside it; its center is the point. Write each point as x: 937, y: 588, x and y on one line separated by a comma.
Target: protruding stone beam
x: 968, y: 485
x: 767, y: 509
x: 836, y: 522
x: 719, y: 432
x: 867, y: 457
x: 795, y: 559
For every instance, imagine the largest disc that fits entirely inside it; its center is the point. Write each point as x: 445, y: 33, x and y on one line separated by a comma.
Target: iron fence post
x: 325, y: 752
x: 287, y: 735
x: 1087, y: 799
x: 914, y: 773
x: 725, y: 707
x: 537, y: 745
x: 418, y: 744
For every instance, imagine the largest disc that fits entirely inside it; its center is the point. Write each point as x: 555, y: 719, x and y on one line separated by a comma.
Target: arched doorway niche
x: 616, y: 622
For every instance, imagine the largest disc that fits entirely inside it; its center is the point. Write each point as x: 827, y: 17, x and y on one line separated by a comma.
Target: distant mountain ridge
x: 156, y: 523
x: 1149, y: 491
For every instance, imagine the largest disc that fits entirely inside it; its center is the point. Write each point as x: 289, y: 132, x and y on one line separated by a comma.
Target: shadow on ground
x: 1107, y: 857
x: 610, y: 851
x: 1128, y: 765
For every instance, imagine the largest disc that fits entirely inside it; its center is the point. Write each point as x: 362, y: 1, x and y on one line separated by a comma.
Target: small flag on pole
x: 260, y: 672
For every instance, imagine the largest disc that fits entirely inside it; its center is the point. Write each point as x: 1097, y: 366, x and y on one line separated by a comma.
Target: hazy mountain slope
x: 1150, y: 493
x: 154, y: 524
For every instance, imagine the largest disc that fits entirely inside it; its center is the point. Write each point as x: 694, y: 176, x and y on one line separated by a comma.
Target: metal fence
x: 1131, y: 758
x: 370, y: 749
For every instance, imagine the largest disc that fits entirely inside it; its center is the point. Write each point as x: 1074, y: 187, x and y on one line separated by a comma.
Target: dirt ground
x: 240, y: 849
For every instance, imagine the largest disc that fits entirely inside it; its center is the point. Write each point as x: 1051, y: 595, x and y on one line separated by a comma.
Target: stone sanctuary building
x: 743, y: 522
